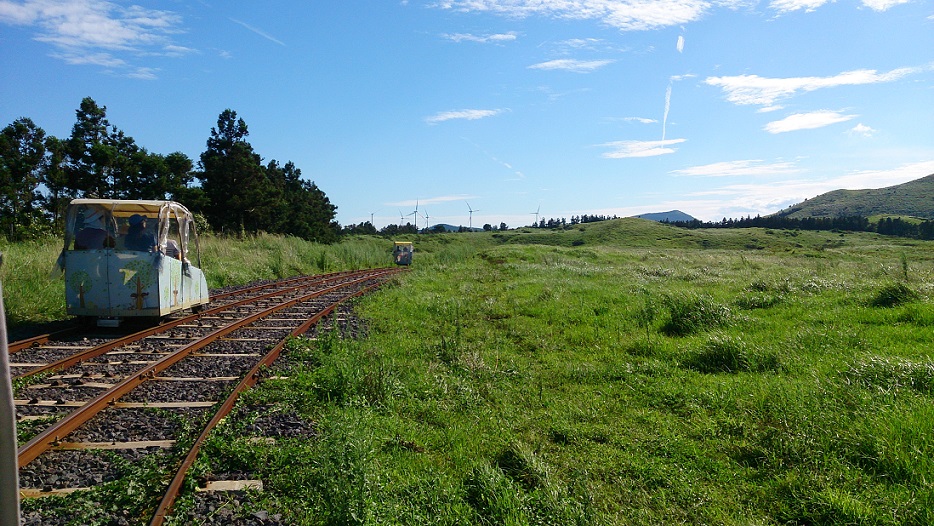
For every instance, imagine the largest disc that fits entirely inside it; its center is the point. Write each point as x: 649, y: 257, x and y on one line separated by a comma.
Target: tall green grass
x: 33, y: 290
x: 535, y: 380
x: 622, y: 372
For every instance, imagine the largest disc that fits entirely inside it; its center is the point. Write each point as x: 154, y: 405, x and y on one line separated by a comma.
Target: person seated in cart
x: 138, y: 237
x: 93, y: 234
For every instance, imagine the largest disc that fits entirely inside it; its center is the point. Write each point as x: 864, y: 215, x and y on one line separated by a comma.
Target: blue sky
x: 718, y: 108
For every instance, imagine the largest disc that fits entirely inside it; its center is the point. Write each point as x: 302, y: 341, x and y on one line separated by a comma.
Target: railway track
x: 156, y: 390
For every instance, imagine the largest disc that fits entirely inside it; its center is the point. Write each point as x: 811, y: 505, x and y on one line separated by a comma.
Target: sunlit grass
x: 623, y: 372
x: 528, y: 380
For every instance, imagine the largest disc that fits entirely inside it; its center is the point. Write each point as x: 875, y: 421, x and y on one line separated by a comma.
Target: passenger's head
x: 93, y: 218
x: 138, y: 221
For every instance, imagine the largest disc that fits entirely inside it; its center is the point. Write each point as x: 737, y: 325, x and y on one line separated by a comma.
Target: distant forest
x: 231, y: 189
x: 888, y: 226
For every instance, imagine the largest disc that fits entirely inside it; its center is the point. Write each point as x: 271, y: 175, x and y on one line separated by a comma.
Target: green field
x: 623, y: 372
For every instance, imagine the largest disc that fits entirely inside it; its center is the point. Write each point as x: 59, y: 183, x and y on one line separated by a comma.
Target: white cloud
x: 740, y: 200
x: 580, y: 43
x: 807, y: 121
x: 862, y: 130
x: 680, y: 45
x: 786, y: 6
x: 482, y: 39
x: 91, y: 59
x: 469, y: 115
x: 628, y: 149
x: 883, y: 5
x: 89, y: 32
x: 577, y: 66
x: 91, y: 23
x: 739, y: 168
x: 143, y: 74
x: 753, y: 89
x: 627, y: 15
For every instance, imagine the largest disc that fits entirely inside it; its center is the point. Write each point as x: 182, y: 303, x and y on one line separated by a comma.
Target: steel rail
x: 52, y: 435
x: 104, y: 348
x: 45, y: 338
x: 42, y: 338
x: 248, y: 381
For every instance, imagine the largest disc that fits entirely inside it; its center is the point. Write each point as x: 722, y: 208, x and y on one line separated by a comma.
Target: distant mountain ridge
x: 671, y: 216
x: 914, y: 198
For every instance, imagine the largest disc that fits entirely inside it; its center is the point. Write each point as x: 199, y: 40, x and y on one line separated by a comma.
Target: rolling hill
x: 672, y: 215
x: 914, y: 198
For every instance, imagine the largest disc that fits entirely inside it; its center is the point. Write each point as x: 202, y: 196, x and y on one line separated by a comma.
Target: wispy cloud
x: 508, y: 166
x: 470, y: 115
x: 807, y: 121
x: 764, y: 91
x: 567, y: 64
x: 482, y: 39
x: 640, y: 120
x: 883, y: 5
x: 773, y: 196
x: 94, y: 32
x: 259, y: 32
x: 740, y: 200
x: 433, y: 200
x: 628, y: 15
x: 627, y: 149
x: 786, y: 6
x: 680, y: 45
x: 667, y: 108
x: 754, y: 167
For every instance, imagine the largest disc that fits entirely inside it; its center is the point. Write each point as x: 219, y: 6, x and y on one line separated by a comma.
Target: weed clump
x: 521, y: 465
x: 892, y: 295
x: 692, y: 314
x: 725, y: 354
x: 887, y: 375
x: 752, y: 300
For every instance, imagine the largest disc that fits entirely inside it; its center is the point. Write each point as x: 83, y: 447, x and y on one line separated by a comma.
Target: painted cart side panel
x: 116, y: 283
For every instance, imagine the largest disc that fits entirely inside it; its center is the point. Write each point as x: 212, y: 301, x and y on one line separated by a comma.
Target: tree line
x: 575, y: 220
x: 889, y: 226
x: 230, y: 187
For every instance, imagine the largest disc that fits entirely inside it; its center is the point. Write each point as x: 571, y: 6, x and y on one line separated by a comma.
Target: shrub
x: 691, y: 314
x: 725, y: 354
x: 721, y: 354
x: 892, y: 295
x: 887, y: 374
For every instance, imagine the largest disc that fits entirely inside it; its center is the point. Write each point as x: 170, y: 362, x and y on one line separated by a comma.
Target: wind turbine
x: 471, y: 210
x: 427, y: 221
x: 536, y: 214
x: 401, y: 218
x: 414, y: 213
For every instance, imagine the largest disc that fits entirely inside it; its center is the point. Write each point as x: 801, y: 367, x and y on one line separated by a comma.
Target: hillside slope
x: 672, y: 215
x: 914, y: 198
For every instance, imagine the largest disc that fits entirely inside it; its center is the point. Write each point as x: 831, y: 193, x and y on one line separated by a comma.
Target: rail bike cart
x: 130, y: 259
x: 402, y: 252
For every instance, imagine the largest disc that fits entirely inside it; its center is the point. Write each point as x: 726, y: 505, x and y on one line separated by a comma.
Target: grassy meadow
x: 623, y: 372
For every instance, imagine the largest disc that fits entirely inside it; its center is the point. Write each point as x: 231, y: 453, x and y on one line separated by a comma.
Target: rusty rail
x: 104, y: 348
x: 51, y: 436
x: 168, y: 500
